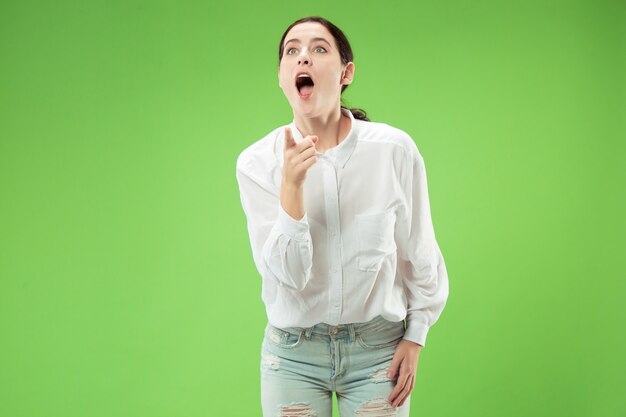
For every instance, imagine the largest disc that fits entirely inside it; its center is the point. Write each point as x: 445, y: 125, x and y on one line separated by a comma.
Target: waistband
x: 347, y: 328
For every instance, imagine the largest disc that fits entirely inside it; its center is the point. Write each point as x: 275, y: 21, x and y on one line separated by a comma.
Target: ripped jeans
x: 301, y: 368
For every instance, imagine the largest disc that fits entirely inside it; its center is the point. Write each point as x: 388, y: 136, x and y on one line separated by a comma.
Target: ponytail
x: 358, y: 114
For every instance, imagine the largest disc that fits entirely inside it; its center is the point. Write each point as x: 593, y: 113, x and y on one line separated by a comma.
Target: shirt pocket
x: 375, y: 235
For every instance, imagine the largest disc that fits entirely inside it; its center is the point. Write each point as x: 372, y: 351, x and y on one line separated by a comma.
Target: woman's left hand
x: 404, y: 359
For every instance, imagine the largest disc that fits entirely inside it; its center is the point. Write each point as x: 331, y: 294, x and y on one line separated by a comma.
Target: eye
x: 294, y: 49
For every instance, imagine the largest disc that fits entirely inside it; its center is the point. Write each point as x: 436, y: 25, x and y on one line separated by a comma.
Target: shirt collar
x: 340, y: 153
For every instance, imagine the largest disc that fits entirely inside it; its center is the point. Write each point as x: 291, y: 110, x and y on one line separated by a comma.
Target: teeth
x: 304, y: 75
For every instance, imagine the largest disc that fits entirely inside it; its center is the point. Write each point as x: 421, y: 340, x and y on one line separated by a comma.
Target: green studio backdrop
x: 127, y: 285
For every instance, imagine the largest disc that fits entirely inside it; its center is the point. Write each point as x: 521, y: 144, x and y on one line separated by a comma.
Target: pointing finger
x: 289, y: 141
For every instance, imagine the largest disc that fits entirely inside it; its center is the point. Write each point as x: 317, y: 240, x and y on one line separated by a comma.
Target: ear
x: 348, y: 74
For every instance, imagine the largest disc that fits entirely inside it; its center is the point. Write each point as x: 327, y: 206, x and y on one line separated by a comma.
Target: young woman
x: 341, y: 233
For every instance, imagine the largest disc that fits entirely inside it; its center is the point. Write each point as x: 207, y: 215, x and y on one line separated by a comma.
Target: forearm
x: 292, y: 199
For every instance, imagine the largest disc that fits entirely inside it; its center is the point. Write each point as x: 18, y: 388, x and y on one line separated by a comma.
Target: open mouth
x: 304, y: 84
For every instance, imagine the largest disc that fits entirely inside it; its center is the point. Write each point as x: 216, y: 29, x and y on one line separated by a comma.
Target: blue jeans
x: 301, y: 368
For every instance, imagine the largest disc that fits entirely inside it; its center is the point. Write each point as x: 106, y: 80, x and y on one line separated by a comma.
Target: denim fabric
x: 301, y: 367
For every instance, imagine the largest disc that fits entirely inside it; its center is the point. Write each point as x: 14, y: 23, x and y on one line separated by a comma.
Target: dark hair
x: 345, y: 52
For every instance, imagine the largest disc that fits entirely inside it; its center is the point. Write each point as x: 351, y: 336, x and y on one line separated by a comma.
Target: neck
x: 330, y: 128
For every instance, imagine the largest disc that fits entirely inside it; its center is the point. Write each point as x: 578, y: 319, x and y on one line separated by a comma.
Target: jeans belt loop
x: 307, y: 332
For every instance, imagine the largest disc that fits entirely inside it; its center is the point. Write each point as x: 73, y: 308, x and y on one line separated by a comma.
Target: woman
x: 340, y: 228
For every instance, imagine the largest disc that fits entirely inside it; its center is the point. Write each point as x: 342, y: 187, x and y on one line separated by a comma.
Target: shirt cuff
x: 416, y: 332
x: 295, y: 229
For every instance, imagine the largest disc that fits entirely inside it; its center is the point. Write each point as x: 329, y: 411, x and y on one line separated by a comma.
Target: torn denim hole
x: 380, y: 375
x: 297, y: 410
x: 378, y: 407
x: 270, y: 361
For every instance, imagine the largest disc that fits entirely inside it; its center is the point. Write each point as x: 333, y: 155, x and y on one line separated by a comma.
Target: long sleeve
x: 420, y: 260
x: 281, y: 245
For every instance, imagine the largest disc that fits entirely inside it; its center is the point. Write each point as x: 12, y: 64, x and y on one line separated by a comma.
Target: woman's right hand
x: 298, y: 158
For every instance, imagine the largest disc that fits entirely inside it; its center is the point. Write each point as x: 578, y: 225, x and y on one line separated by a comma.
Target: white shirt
x: 366, y: 244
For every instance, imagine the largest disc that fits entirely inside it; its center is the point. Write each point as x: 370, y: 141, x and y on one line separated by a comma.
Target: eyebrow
x: 314, y: 39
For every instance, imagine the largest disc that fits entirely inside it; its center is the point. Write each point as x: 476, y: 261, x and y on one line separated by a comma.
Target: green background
x: 127, y: 286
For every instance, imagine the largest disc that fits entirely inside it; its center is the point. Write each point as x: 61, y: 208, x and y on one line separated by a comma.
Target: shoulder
x: 384, y: 133
x: 260, y: 156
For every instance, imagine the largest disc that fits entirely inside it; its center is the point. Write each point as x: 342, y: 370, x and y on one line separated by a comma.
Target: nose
x: 304, y: 57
